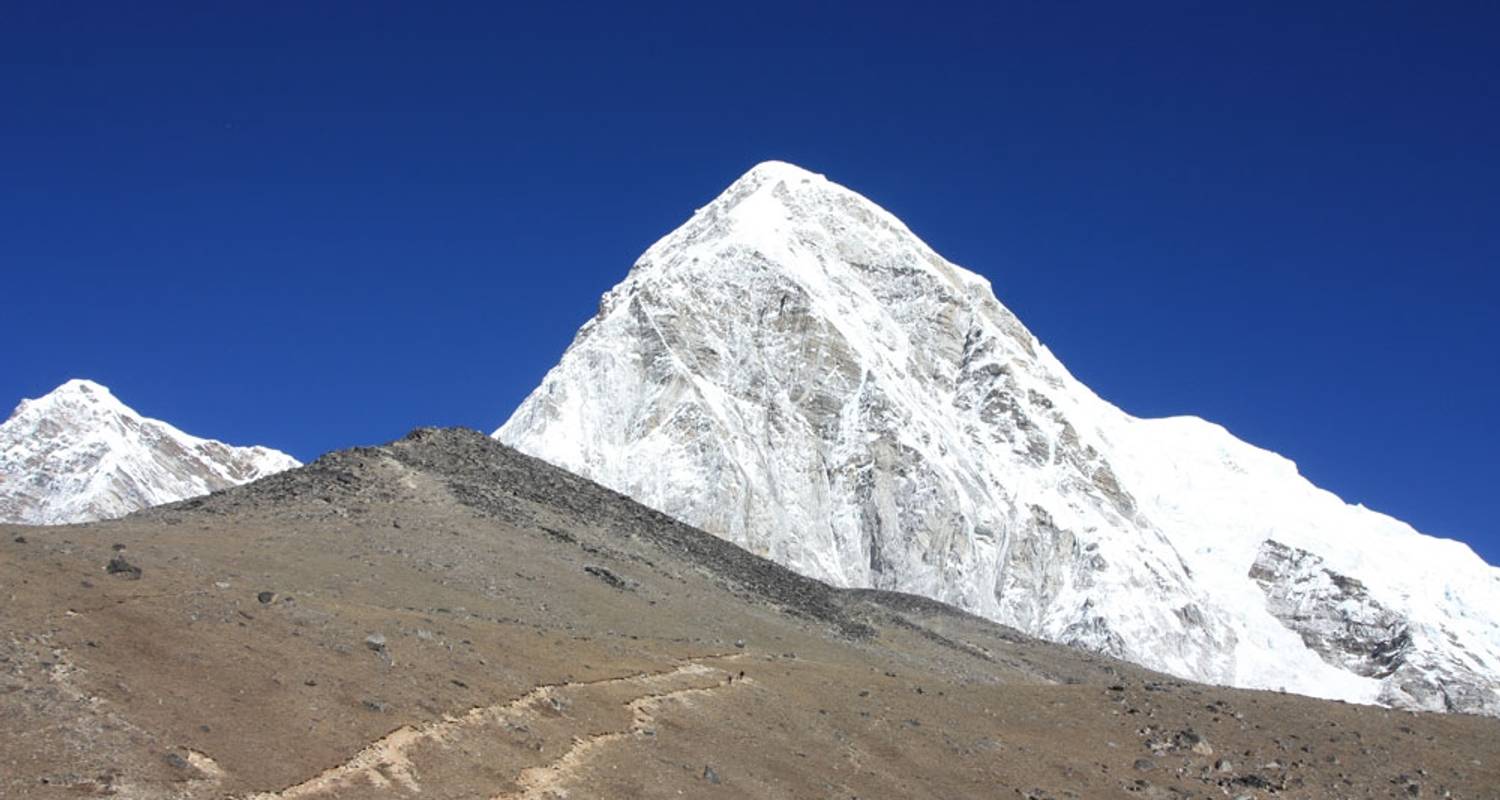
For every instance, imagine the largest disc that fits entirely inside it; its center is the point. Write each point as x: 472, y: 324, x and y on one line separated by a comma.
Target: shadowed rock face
x: 795, y: 371
x: 1335, y: 615
x: 445, y: 617
x: 78, y: 454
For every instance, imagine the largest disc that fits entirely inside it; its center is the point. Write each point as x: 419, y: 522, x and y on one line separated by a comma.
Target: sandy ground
x: 445, y: 618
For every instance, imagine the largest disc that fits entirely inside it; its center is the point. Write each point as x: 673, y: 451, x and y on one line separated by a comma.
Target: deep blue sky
x: 314, y: 225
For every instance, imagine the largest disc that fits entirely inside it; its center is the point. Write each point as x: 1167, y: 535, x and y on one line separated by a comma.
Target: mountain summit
x: 796, y: 371
x: 79, y: 454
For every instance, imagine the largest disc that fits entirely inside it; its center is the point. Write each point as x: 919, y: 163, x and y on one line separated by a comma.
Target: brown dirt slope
x: 443, y: 617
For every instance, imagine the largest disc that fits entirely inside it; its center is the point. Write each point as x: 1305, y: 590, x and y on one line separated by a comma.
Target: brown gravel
x: 443, y: 615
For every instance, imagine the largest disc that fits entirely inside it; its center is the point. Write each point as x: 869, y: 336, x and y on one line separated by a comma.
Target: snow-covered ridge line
x: 79, y: 454
x: 794, y: 370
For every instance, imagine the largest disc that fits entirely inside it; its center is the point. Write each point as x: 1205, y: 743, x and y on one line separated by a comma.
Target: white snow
x: 79, y: 454
x: 794, y: 370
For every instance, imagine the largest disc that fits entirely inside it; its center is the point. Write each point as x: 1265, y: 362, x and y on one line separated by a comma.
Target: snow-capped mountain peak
x: 76, y: 393
x: 794, y: 370
x: 79, y: 454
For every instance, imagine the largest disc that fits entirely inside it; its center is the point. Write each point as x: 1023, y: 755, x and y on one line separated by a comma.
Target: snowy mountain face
x: 79, y: 454
x: 794, y: 370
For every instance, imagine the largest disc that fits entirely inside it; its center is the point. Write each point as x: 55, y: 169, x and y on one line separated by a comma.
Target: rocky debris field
x: 446, y: 618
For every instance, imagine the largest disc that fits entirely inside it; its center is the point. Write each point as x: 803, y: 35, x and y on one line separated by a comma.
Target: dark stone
x: 175, y: 761
x: 710, y: 775
x: 608, y: 577
x: 20, y: 540
x: 265, y: 598
x: 1145, y: 764
x: 121, y: 568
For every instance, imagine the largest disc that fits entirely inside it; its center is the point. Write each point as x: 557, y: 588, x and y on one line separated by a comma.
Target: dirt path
x: 407, y: 760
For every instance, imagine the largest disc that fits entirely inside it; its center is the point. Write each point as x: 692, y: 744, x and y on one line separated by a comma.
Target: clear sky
x: 315, y: 225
